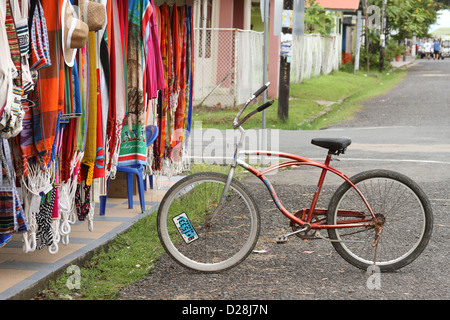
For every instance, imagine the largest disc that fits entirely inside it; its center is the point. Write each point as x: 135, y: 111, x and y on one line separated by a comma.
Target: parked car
x: 444, y: 51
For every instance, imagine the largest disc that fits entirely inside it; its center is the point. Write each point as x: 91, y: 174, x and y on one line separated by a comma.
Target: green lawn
x: 309, y: 106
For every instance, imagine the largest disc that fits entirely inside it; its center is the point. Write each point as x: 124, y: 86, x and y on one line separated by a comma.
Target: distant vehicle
x: 444, y: 51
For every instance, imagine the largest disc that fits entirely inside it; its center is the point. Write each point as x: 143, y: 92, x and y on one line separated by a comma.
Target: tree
x: 444, y: 4
x: 404, y: 19
x: 410, y: 17
x: 316, y: 19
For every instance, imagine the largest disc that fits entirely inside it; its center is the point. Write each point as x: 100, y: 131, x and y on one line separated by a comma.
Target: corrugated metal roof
x: 339, y: 4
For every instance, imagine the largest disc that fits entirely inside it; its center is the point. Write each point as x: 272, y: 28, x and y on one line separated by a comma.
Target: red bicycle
x: 210, y: 222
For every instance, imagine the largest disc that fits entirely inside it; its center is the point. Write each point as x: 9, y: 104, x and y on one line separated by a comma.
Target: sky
x: 442, y: 22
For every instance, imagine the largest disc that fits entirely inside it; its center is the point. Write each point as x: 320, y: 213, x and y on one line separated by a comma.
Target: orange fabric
x: 51, y: 81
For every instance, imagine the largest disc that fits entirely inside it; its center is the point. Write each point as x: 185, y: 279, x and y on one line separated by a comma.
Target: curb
x: 80, y: 257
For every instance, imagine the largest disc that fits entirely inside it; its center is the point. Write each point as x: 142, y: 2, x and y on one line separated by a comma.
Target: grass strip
x: 315, y: 103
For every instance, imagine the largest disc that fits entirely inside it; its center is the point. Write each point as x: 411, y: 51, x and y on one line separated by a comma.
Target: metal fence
x: 228, y: 65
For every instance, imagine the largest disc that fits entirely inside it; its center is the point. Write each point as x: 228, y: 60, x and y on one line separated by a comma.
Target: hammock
x: 81, y: 120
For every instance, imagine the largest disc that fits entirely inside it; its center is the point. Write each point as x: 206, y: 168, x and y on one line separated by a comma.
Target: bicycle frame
x: 306, y: 214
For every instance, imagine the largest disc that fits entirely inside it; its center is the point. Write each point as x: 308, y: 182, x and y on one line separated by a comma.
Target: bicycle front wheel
x: 201, y: 235
x: 404, y: 208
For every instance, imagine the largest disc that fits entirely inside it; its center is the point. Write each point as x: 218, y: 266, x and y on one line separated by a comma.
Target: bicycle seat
x: 334, y: 145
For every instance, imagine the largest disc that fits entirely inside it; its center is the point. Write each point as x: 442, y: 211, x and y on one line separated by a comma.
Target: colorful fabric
x: 82, y: 201
x: 4, y: 239
x: 80, y: 122
x: 154, y: 73
x: 179, y: 114
x: 90, y: 151
x: 8, y: 222
x: 189, y: 70
x: 12, y: 219
x: 13, y: 44
x: 25, y: 137
x: 83, y: 81
x: 99, y: 164
x: 40, y: 55
x: 51, y: 84
x: 44, y: 234
x: 133, y: 148
x: 166, y: 56
x: 117, y: 106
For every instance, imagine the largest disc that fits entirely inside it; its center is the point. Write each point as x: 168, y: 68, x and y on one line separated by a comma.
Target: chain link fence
x: 228, y: 66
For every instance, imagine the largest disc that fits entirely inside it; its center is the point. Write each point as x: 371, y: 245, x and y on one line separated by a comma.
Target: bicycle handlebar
x: 261, y: 90
x: 265, y: 106
x: 236, y: 122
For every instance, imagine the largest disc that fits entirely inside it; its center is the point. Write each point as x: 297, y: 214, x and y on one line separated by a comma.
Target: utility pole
x: 285, y: 61
x: 265, y: 55
x: 382, y: 36
x: 367, y: 35
x: 358, y: 41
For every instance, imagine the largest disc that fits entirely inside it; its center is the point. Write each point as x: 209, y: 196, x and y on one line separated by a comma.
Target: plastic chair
x: 131, y: 170
x: 152, y: 133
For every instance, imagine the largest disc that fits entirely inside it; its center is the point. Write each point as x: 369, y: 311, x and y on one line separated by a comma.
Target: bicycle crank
x: 284, y: 238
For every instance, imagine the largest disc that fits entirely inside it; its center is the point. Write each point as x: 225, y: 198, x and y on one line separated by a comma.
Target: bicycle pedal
x: 281, y: 239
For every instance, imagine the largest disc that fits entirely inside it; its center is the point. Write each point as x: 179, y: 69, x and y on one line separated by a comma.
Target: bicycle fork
x: 230, y: 173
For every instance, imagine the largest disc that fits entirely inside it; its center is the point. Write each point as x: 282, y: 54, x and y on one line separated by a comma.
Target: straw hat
x: 93, y: 14
x: 74, y: 33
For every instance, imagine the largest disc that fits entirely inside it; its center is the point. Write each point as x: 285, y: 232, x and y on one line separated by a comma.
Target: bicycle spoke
x: 402, y: 225
x: 224, y: 235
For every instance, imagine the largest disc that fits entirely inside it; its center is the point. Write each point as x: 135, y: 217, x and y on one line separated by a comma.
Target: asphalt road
x: 406, y: 129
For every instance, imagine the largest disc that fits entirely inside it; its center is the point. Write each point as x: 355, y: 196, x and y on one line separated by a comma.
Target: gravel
x: 312, y: 270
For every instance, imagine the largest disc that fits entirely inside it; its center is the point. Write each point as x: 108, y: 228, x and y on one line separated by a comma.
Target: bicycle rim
x: 202, y: 236
x: 407, y: 214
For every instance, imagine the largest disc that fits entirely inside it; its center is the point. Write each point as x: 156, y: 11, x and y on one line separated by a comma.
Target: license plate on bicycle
x: 185, y: 227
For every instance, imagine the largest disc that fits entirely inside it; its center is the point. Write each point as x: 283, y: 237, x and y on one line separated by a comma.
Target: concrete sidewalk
x: 408, y: 60
x: 23, y: 274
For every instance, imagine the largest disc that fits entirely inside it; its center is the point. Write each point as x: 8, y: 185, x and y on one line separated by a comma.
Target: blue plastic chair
x: 152, y: 133
x: 131, y: 170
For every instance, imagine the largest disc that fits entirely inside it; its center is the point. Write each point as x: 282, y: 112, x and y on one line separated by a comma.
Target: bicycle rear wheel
x: 395, y: 198
x: 198, y: 234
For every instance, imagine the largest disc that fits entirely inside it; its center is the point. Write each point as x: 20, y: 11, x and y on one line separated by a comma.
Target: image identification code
x: 230, y: 309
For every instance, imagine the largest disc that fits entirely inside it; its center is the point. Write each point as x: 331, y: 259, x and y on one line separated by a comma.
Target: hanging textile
x: 12, y: 114
x: 117, y: 105
x: 174, y: 107
x: 51, y: 84
x: 7, y: 70
x: 104, y: 87
x: 91, y: 134
x: 179, y: 114
x: 154, y: 73
x: 166, y: 56
x: 133, y: 147
x: 189, y: 70
x: 76, y: 98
